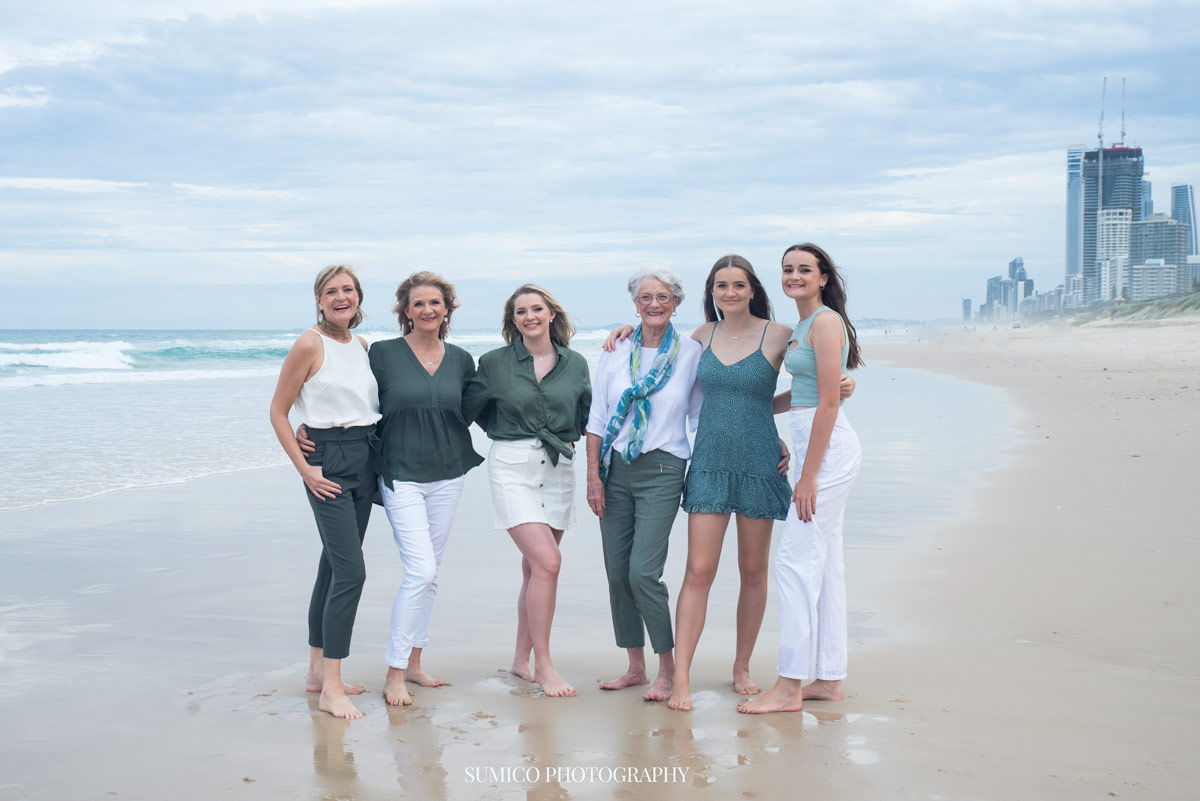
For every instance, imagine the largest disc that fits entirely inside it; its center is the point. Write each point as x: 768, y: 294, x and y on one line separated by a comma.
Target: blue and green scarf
x: 636, y: 398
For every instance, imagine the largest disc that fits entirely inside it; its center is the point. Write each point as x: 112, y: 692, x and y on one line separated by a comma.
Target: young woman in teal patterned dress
x: 736, y: 464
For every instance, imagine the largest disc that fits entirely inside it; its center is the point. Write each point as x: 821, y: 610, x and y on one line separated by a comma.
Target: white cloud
x: 85, y: 186
x: 259, y: 138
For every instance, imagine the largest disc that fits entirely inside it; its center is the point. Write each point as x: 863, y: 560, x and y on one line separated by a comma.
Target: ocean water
x: 90, y: 412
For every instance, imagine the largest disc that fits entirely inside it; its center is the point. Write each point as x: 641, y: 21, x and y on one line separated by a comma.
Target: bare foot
x: 313, y: 684
x: 823, y: 690
x: 418, y: 676
x: 554, y: 685
x: 522, y: 671
x: 631, y: 678
x: 339, y: 706
x: 681, y: 698
x: 743, y: 683
x: 660, y: 690
x: 780, y: 698
x: 394, y: 691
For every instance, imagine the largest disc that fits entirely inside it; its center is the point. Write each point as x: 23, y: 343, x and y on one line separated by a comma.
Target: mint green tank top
x: 801, y: 361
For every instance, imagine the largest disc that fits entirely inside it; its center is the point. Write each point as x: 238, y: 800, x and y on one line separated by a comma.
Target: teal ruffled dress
x: 735, y: 463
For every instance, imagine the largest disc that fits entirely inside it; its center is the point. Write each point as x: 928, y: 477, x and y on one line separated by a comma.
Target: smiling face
x: 426, y: 308
x: 802, y: 278
x: 338, y: 300
x: 731, y: 290
x: 532, y: 316
x: 654, y: 302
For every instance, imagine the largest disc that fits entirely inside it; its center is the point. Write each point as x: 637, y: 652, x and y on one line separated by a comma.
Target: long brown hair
x: 833, y: 295
x: 425, y: 278
x: 323, y: 278
x: 561, y: 329
x: 760, y: 304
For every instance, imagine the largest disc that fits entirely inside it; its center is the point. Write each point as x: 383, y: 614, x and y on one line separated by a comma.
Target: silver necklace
x: 430, y: 362
x: 733, y: 336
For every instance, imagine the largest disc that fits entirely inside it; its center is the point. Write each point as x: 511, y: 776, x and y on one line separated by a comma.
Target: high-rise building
x: 1016, y: 269
x: 1008, y: 296
x: 1154, y: 279
x: 993, y: 289
x: 1147, y: 199
x: 1112, y: 179
x: 1160, y: 237
x: 1112, y: 251
x: 1075, y: 210
x: 1183, y: 209
x: 966, y: 306
x: 1193, y: 273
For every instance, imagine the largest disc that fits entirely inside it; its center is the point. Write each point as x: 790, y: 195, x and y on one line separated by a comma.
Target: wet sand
x: 1040, y: 645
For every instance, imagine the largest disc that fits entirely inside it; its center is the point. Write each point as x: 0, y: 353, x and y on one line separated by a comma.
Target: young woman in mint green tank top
x: 809, y: 570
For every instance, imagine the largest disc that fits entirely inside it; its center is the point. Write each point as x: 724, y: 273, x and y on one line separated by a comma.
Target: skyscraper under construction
x: 1111, y: 179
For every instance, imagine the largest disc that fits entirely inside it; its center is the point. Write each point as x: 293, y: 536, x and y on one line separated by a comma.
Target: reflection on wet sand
x: 417, y: 752
x: 334, y: 766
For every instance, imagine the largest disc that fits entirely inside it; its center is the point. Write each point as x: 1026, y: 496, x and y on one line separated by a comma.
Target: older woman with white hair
x: 643, y: 395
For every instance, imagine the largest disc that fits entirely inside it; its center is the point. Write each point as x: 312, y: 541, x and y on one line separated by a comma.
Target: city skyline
x: 1117, y: 247
x: 194, y: 163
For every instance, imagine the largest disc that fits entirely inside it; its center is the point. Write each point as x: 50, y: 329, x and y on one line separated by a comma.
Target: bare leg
x: 316, y: 673
x: 664, y: 682
x: 754, y: 558
x: 520, y: 666
x: 394, y: 691
x: 785, y: 696
x: 539, y: 545
x: 634, y: 676
x: 824, y: 690
x: 415, y: 674
x: 705, y: 534
x: 333, y: 698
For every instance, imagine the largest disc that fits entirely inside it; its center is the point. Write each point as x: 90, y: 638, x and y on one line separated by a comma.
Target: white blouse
x: 673, y: 408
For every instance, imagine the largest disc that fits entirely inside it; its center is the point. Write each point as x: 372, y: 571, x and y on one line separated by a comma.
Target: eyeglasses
x: 646, y: 300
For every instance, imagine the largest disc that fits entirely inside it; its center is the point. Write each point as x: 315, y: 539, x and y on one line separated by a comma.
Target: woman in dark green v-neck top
x: 427, y: 452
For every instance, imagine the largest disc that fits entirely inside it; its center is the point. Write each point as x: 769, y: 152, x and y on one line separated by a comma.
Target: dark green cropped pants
x: 346, y: 458
x: 640, y: 502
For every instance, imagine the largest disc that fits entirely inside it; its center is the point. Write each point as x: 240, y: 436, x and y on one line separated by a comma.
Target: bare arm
x: 618, y: 334
x: 827, y: 345
x: 595, y: 488
x: 298, y: 366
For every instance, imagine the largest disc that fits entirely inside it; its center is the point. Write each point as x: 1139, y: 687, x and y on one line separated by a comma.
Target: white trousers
x: 809, y: 568
x: 421, y: 515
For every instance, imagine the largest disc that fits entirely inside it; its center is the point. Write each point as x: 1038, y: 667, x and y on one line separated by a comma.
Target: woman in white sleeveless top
x: 327, y: 378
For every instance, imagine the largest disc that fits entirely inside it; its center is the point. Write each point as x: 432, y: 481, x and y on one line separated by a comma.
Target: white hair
x: 663, y: 274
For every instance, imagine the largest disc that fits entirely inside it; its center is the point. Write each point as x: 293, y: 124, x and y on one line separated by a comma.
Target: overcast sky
x: 196, y: 167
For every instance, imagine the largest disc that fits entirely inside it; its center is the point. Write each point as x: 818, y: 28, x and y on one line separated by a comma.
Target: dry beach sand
x: 1042, y: 645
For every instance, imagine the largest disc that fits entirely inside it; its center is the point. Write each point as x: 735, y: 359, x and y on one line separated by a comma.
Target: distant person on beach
x: 809, y: 567
x: 637, y: 450
x: 327, y: 378
x: 738, y: 464
x: 532, y: 398
x: 427, y: 448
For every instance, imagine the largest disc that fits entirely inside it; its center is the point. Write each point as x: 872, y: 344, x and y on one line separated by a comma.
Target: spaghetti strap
x: 710, y: 333
x: 763, y: 338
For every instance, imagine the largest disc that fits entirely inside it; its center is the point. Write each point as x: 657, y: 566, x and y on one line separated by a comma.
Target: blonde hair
x: 561, y: 329
x: 323, y: 278
x: 419, y: 279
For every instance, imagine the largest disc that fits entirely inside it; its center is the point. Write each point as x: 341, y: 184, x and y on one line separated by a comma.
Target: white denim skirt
x: 527, y: 488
